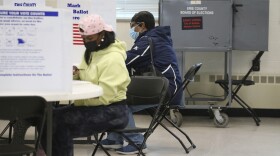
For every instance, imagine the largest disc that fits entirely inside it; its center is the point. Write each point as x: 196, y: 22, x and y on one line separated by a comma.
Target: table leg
x: 49, y: 129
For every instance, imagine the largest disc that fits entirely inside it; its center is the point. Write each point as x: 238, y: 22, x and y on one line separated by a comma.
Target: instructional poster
x: 81, y: 8
x: 34, y: 50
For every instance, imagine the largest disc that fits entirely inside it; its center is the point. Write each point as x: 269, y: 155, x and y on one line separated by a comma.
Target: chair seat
x: 236, y: 82
x: 16, y: 149
x: 131, y: 130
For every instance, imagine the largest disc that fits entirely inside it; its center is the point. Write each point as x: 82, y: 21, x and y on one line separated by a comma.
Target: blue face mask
x: 133, y: 34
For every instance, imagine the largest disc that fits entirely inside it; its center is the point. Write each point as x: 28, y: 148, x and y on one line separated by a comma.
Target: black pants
x: 81, y: 121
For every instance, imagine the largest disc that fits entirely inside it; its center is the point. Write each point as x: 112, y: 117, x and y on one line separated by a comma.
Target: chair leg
x: 248, y: 108
x: 99, y: 144
x: 187, y: 137
x: 151, y: 128
x: 133, y: 144
x: 243, y: 104
x: 142, y: 146
x: 159, y: 122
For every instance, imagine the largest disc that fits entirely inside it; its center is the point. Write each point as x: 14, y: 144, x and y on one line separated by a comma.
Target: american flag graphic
x: 77, y: 38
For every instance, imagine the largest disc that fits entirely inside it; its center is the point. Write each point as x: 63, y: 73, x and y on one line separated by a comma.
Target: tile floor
x: 241, y: 138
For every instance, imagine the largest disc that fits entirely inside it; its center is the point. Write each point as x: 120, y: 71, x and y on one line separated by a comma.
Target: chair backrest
x: 21, y: 107
x: 15, y: 108
x: 188, y: 77
x: 147, y: 90
x: 255, y: 65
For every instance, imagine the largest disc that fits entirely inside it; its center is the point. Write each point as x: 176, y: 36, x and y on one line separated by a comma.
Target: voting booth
x: 216, y: 25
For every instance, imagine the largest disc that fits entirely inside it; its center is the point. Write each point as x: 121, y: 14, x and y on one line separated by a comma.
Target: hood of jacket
x: 161, y: 33
x: 118, y: 46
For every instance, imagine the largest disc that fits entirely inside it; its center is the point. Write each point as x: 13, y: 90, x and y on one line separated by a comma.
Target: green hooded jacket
x: 107, y: 69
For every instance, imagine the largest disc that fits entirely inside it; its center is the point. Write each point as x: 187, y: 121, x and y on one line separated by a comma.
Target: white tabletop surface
x: 80, y: 90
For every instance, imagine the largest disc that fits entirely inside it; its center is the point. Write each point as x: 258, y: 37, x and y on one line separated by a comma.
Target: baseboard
x: 232, y: 112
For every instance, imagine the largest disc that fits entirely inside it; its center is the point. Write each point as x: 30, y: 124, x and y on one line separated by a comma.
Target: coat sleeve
x: 139, y: 55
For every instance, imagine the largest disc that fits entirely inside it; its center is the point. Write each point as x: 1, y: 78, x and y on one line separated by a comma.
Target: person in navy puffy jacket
x: 138, y: 61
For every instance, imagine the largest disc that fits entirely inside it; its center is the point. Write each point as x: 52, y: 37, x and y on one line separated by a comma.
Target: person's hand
x: 75, y: 70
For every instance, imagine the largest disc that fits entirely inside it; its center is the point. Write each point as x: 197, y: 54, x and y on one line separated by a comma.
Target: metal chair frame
x: 243, y: 82
x: 142, y: 90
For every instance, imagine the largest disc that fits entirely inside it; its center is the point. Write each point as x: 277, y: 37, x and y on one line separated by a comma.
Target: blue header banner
x: 27, y: 13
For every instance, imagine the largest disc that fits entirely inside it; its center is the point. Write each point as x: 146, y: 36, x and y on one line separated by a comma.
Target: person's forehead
x: 133, y: 23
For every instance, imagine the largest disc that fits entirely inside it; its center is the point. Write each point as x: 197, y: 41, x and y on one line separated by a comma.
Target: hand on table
x: 76, y: 70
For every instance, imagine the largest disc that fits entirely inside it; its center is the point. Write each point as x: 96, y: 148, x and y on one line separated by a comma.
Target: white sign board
x: 34, y: 50
x: 80, y: 8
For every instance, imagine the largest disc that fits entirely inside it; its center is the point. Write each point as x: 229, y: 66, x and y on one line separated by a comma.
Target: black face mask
x: 91, y: 46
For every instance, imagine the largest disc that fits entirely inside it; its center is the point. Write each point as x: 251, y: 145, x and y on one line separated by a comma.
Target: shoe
x: 109, y: 144
x: 129, y: 149
x: 40, y: 152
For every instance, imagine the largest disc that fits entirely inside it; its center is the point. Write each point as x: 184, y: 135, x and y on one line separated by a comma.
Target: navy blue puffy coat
x: 165, y: 61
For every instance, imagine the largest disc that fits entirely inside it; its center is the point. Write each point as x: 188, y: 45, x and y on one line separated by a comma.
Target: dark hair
x: 146, y: 17
x: 109, y: 38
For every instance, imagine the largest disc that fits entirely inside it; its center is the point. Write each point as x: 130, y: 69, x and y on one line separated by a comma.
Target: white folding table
x: 80, y: 90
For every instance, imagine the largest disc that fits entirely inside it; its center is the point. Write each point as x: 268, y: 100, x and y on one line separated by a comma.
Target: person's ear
x: 100, y: 37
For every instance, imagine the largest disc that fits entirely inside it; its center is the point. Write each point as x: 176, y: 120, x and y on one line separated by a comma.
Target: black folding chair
x: 15, y: 108
x: 162, y: 112
x: 141, y: 90
x: 188, y: 77
x: 243, y: 82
